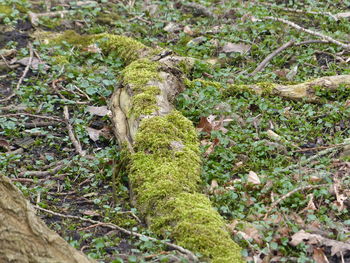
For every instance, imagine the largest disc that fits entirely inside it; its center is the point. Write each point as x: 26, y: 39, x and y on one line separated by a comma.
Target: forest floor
x: 277, y: 170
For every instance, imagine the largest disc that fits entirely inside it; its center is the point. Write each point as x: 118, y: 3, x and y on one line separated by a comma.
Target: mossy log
x: 162, y: 147
x: 24, y: 237
x: 164, y: 168
x: 306, y: 90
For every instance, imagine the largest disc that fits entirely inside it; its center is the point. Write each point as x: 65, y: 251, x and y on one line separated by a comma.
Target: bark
x: 24, y: 237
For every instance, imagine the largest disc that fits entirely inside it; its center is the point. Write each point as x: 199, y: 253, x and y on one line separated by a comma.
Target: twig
x: 45, y: 173
x: 75, y: 142
x: 318, y: 148
x: 141, y: 19
x: 301, y: 188
x: 319, y: 154
x: 30, y: 115
x: 40, y: 124
x: 90, y: 226
x: 132, y: 214
x: 34, y: 18
x: 312, y: 41
x: 311, y: 32
x: 5, y: 61
x: 19, y: 83
x: 298, y: 11
x: 123, y: 230
x: 264, y: 63
x: 54, y: 86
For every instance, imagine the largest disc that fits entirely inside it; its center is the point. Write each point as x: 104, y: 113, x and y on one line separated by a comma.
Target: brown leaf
x: 93, y: 48
x: 99, y: 111
x: 93, y: 133
x: 211, y: 148
x: 319, y: 256
x: 35, y: 63
x: 318, y: 240
x: 188, y: 31
x: 4, y: 145
x: 205, y: 125
x: 214, y: 185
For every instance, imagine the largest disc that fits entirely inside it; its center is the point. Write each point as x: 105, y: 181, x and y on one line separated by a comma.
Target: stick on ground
x: 123, y: 230
x: 311, y: 32
x: 75, y: 141
x: 19, y: 83
x: 264, y: 63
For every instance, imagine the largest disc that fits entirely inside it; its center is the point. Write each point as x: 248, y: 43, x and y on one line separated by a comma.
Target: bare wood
x: 24, y: 237
x: 304, y: 90
x: 264, y: 63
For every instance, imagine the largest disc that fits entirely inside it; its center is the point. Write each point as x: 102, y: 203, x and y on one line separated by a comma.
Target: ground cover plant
x: 276, y: 169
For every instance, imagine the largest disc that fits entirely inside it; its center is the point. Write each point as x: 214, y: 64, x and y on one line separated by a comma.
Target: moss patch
x: 165, y: 177
x: 124, y: 47
x: 138, y: 75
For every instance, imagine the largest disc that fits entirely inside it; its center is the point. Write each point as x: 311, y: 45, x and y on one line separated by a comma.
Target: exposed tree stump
x: 24, y: 237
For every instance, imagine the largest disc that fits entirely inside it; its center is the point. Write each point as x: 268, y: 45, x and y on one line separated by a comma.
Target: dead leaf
x: 34, y: 65
x: 235, y: 48
x: 211, y: 148
x: 171, y: 27
x: 272, y: 135
x: 93, y: 48
x: 4, y: 145
x: 337, y: 247
x: 99, y: 111
x: 188, y: 31
x: 93, y: 133
x: 319, y: 256
x: 253, y: 178
x: 207, y: 124
x: 214, y: 185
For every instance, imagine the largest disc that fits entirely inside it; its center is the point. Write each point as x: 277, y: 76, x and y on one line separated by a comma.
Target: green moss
x: 191, y: 83
x: 165, y: 177
x: 235, y: 89
x: 140, y: 72
x: 158, y: 170
x: 5, y: 10
x: 185, y: 66
x: 194, y: 224
x: 124, y: 47
x: 145, y: 103
x: 71, y: 37
x: 266, y: 88
x: 108, y: 19
x: 59, y: 60
x: 138, y: 75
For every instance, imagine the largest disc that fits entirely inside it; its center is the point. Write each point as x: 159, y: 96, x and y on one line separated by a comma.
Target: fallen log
x: 161, y: 146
